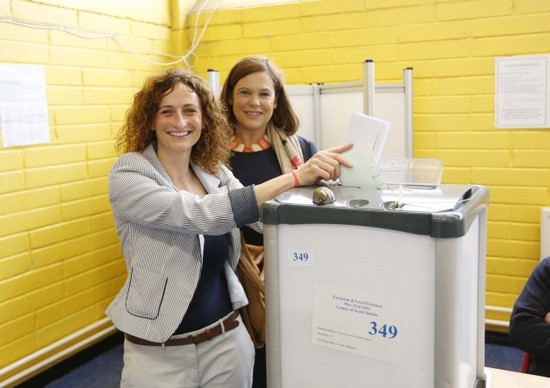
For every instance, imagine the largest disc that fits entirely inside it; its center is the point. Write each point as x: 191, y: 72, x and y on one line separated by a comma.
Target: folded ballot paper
x: 368, y: 135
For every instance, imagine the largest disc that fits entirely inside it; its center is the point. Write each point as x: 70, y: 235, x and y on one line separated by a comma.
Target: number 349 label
x: 301, y: 257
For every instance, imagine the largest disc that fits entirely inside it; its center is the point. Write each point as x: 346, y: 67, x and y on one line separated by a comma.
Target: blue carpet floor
x: 101, y: 367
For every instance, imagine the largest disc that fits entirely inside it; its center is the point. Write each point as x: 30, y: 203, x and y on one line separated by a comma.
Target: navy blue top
x: 528, y: 329
x: 253, y: 168
x: 211, y: 298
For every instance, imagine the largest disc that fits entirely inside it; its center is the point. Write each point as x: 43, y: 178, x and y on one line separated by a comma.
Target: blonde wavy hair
x: 211, y: 150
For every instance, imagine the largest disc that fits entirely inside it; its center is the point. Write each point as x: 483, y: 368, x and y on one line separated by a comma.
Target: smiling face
x: 253, y: 102
x: 178, y: 121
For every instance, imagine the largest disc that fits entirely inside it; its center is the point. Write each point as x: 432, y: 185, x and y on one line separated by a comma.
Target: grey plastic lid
x: 443, y: 212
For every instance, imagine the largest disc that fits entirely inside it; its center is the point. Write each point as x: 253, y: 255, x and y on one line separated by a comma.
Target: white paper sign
x: 522, y: 92
x: 23, y: 108
x: 357, y: 321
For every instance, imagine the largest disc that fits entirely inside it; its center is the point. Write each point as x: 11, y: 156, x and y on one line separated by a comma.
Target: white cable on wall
x: 123, y: 42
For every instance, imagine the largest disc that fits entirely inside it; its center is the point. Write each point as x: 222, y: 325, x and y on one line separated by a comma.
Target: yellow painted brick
x: 331, y: 6
x: 462, y: 67
x: 483, y: 103
x: 81, y: 115
x: 63, y: 76
x: 74, y: 56
x: 29, y: 282
x: 514, y: 45
x: 92, y: 260
x: 344, y: 73
x: 99, y: 168
x: 67, y: 325
x: 107, y: 77
x: 118, y: 113
x: 215, y: 33
x: 10, y: 160
x: 24, y: 221
x: 454, y: 175
x: 482, y: 121
x: 105, y: 238
x: 526, y: 232
x: 43, y: 13
x: 519, y: 195
x: 24, y: 53
x: 101, y: 150
x: 18, y: 328
x: 83, y: 189
x: 28, y: 200
x: 524, y: 213
x: 102, y: 221
x: 511, y: 176
x: 532, y: 7
x: 61, y: 232
x: 498, y: 230
x: 63, y: 95
x: 5, y: 9
x: 104, y: 23
x: 106, y: 96
x: 51, y: 175
x: 445, y: 104
x: 532, y: 139
x: 504, y: 284
x: 88, y: 279
x: 335, y: 22
x: 467, y: 85
x: 472, y: 9
x: 149, y: 30
x: 532, y: 158
x: 18, y: 349
x: 14, y: 244
x: 124, y: 60
x: 68, y: 134
x: 271, y: 12
x: 85, y: 207
x: 19, y: 33
x: 473, y: 158
x: 514, y: 25
x: 14, y: 265
x: 477, y: 140
x: 441, y: 122
x: 513, y: 249
x: 49, y: 156
x: 57, y: 311
x: 93, y: 41
x: 32, y: 301
x: 56, y: 253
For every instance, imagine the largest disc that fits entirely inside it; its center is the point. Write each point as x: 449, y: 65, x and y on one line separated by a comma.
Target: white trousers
x: 225, y: 361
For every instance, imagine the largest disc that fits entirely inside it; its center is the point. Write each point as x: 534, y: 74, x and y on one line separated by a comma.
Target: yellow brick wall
x: 60, y: 262
x: 452, y: 45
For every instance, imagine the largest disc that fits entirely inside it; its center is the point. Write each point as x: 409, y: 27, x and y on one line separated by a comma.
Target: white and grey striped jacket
x: 159, y: 227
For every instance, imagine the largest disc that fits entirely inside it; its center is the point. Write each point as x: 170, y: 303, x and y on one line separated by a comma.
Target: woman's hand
x: 323, y: 165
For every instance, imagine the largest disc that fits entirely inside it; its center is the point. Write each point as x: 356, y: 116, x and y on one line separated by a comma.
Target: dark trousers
x: 259, y: 379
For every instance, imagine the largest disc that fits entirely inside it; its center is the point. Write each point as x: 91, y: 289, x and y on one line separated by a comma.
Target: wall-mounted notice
x: 357, y: 321
x: 522, y: 92
x: 23, y: 108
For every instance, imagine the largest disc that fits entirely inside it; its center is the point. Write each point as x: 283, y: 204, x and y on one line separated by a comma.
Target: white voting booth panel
x: 363, y: 297
x: 325, y: 110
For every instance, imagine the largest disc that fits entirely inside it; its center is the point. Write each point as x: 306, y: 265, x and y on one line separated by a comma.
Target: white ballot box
x: 378, y: 289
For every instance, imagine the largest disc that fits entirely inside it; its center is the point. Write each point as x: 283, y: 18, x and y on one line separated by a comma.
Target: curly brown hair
x: 210, y: 151
x: 284, y: 116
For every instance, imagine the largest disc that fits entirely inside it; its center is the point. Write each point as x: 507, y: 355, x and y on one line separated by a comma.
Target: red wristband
x: 296, y: 180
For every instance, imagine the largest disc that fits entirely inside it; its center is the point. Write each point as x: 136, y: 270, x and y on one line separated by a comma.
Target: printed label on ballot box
x: 356, y: 321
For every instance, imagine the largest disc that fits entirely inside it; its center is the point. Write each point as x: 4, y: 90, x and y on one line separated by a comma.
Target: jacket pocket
x: 145, y: 293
